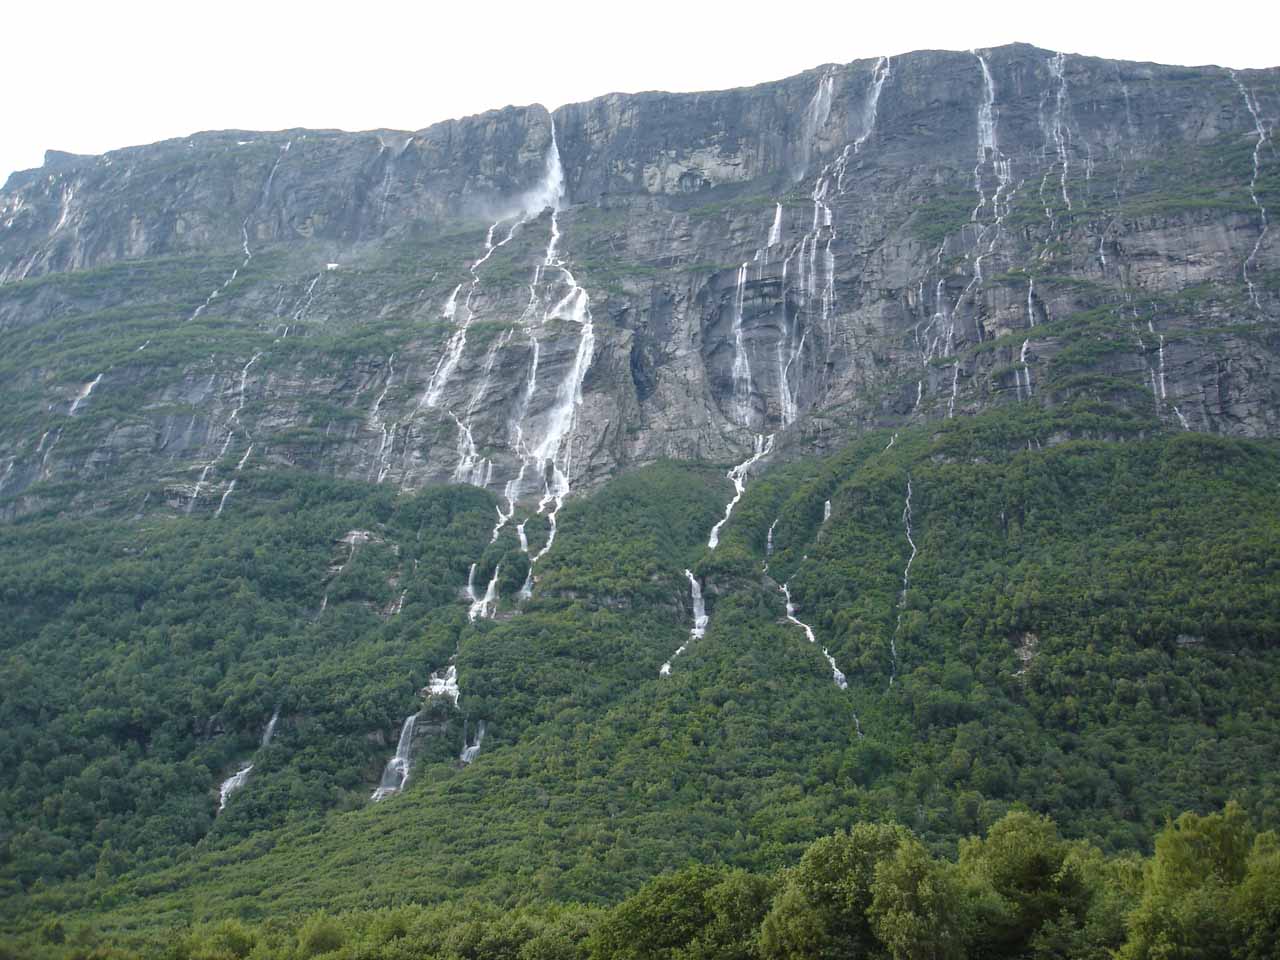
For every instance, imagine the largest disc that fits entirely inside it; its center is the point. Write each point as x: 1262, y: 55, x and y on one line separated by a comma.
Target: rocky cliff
x: 529, y: 301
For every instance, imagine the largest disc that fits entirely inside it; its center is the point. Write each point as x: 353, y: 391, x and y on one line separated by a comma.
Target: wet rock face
x: 669, y: 276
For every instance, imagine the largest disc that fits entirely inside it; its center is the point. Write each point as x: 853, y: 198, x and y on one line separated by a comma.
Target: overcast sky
x: 90, y: 77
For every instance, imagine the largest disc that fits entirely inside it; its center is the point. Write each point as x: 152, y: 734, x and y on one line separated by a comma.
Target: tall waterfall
x: 738, y: 476
x: 472, y: 748
x: 396, y: 773
x: 699, y: 621
x: 241, y: 776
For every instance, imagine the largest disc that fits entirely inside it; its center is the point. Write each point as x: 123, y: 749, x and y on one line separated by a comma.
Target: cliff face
x: 529, y: 302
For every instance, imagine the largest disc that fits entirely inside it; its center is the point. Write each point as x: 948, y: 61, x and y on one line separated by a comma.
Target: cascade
x: 244, y: 234
x: 906, y: 582
x: 768, y: 543
x: 244, y: 378
x: 231, y: 486
x: 485, y: 606
x: 1260, y: 129
x: 813, y: 256
x: 775, y: 229
x: 241, y: 776
x: 452, y: 355
x: 548, y: 448
x: 195, y: 495
x: 444, y: 685
x: 738, y: 476
x: 836, y: 675
x: 1058, y: 130
x: 1023, y: 375
x: 1001, y: 200
x: 83, y: 395
x: 699, y: 621
x: 826, y: 510
x: 382, y: 463
x: 471, y: 750
x: 742, y: 386
x: 396, y: 773
x: 526, y: 589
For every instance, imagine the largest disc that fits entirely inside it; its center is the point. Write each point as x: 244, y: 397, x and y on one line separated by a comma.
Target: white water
x: 195, y: 494
x: 775, y: 229
x: 826, y: 508
x: 452, y: 355
x: 445, y: 685
x: 83, y: 395
x: 738, y: 476
x: 1261, y: 130
x: 813, y: 257
x: 553, y: 451
x: 396, y: 773
x: 241, y: 776
x: 836, y: 674
x: 244, y: 234
x: 768, y: 543
x: 482, y: 607
x: 382, y: 463
x: 906, y: 583
x: 244, y: 379
x: 699, y: 629
x: 1023, y: 374
x: 1057, y: 129
x: 230, y: 487
x: 472, y: 750
x: 742, y: 385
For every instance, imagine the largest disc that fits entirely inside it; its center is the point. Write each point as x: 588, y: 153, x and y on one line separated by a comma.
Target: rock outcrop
x: 531, y: 301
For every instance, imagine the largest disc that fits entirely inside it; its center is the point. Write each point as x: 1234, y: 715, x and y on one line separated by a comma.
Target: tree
x: 918, y: 908
x: 821, y: 910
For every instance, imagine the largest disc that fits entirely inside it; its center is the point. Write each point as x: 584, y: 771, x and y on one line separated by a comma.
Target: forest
x: 1087, y: 631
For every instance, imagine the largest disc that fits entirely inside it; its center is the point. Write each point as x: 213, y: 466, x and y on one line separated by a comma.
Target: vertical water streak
x: 396, y: 774
x: 1261, y: 130
x: 700, y: 620
x: 906, y: 583
x: 738, y: 477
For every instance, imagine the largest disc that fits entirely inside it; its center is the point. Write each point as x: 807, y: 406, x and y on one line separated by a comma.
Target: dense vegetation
x: 1090, y: 630
x: 1211, y: 890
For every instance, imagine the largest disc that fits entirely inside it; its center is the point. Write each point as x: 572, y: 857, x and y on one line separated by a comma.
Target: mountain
x: 668, y: 478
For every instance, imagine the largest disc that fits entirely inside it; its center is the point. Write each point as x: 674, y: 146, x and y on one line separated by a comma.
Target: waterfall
x: 482, y: 606
x: 1056, y: 64
x: 906, y: 582
x: 836, y: 674
x: 444, y: 685
x: 232, y: 486
x: 768, y: 542
x: 396, y: 773
x: 244, y: 378
x: 1022, y: 375
x: 738, y: 476
x: 1250, y: 101
x: 775, y: 229
x: 83, y: 395
x: 195, y: 495
x: 826, y: 510
x: 699, y: 621
x: 263, y: 197
x: 472, y: 749
x: 241, y: 776
x: 382, y: 463
x: 742, y: 385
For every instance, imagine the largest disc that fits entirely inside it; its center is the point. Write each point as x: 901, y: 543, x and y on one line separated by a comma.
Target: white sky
x: 93, y: 76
